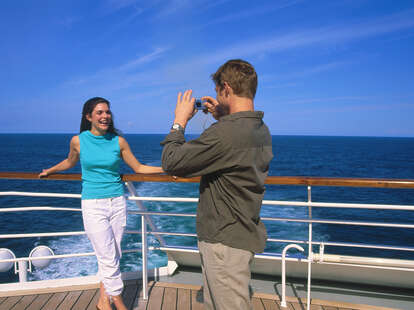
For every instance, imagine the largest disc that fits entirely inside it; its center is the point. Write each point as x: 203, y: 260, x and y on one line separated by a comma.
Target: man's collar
x: 242, y: 114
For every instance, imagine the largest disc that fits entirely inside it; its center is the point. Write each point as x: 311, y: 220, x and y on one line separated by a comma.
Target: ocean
x: 324, y: 156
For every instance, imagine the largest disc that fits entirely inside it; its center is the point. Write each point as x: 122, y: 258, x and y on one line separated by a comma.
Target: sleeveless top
x: 100, y: 158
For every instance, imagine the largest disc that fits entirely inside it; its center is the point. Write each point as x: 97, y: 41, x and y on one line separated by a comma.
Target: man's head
x: 239, y: 75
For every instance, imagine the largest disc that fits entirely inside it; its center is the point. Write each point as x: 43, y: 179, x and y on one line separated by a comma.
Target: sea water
x: 358, y: 157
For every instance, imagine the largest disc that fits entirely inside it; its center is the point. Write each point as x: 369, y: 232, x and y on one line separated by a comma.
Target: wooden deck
x: 163, y: 296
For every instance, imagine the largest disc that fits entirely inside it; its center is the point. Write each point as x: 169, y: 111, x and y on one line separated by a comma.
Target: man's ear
x: 227, y: 89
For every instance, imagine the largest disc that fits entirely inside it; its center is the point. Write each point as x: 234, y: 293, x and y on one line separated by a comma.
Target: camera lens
x: 198, y: 104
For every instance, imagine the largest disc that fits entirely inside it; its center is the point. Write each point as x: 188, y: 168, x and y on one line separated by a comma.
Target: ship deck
x: 162, y: 296
x: 183, y: 290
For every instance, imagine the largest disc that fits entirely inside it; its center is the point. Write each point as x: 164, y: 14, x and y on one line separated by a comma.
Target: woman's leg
x: 118, y: 224
x: 118, y: 221
x: 104, y: 303
x: 97, y: 215
x: 119, y: 303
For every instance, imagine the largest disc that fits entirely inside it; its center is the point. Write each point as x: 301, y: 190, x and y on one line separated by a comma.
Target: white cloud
x: 157, y: 53
x: 111, y: 6
x: 251, y: 13
x: 173, y: 6
x: 312, y: 70
x: 185, y: 72
x: 330, y: 100
x: 324, y: 35
x: 118, y: 74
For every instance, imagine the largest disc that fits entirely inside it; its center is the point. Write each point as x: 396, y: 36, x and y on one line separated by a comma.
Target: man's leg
x: 226, y: 273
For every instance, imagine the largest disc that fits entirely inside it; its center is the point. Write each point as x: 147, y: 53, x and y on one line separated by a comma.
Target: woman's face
x: 100, y: 119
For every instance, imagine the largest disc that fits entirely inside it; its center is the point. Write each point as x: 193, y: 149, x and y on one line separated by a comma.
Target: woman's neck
x: 97, y: 132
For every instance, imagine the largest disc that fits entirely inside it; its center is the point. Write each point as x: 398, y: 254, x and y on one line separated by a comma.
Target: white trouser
x: 104, y: 221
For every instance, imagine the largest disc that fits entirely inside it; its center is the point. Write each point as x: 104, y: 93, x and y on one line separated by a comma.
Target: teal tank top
x: 100, y: 157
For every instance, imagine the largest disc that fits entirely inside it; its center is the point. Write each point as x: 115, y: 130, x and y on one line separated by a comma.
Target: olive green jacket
x: 232, y: 157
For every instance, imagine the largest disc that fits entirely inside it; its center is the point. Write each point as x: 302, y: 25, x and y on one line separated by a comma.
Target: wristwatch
x: 177, y: 127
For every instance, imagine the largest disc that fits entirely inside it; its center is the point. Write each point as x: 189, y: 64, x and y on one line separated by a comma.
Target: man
x: 232, y: 157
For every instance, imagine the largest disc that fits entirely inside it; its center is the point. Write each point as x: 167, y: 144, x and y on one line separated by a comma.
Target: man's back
x: 231, y: 194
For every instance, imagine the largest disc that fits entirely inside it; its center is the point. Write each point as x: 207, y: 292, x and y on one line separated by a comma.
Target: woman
x: 100, y: 150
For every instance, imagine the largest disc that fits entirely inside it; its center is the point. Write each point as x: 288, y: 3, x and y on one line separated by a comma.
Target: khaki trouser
x: 226, y: 273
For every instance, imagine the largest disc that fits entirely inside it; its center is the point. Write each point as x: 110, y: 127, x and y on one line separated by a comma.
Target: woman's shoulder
x: 75, y: 140
x: 122, y: 141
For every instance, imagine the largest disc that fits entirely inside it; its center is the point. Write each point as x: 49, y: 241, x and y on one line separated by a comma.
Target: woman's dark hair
x: 88, y: 107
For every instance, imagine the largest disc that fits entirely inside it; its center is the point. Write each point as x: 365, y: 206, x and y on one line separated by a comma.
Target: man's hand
x: 184, y: 109
x: 213, y: 107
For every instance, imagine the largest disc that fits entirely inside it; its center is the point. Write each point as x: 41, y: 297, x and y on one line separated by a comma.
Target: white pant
x: 104, y: 221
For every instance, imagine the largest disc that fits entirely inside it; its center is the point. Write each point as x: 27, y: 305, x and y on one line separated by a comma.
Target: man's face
x: 223, y: 107
x: 219, y: 93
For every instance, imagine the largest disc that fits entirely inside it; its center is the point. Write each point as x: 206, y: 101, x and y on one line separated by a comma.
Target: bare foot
x: 104, y: 302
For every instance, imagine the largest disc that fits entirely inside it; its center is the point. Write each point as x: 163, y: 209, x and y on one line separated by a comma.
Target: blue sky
x: 340, y: 67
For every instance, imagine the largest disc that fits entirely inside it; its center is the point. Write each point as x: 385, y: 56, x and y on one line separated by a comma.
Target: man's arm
x: 197, y: 157
x: 194, y: 158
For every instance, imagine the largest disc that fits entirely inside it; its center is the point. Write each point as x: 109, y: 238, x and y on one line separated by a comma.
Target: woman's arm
x: 131, y: 160
x: 67, y: 163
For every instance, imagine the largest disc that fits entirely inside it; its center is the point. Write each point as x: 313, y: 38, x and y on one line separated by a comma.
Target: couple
x: 232, y: 157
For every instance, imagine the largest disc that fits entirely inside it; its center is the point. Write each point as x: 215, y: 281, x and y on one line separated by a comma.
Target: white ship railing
x: 320, y: 257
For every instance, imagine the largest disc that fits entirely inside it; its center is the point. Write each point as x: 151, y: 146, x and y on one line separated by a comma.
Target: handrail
x: 271, y: 180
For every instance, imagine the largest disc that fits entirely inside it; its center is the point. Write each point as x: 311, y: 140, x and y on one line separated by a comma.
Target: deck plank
x: 39, y: 302
x: 54, y: 301
x: 295, y: 306
x: 197, y: 300
x: 170, y: 299
x: 69, y: 300
x: 270, y: 304
x: 131, y: 290
x: 24, y: 302
x: 10, y: 302
x: 257, y: 304
x: 94, y: 301
x: 162, y: 296
x: 155, y: 302
x: 183, y: 299
x: 139, y: 302
x: 84, y: 300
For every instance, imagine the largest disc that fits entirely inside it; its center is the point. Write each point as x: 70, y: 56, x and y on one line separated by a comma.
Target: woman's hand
x: 44, y: 173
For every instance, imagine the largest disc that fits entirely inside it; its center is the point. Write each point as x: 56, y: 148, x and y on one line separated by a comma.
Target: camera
x: 198, y: 105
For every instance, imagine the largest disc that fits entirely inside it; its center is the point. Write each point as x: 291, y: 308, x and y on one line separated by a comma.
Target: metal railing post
x: 283, y: 302
x: 22, y: 269
x: 310, y: 252
x: 144, y: 258
x: 133, y: 193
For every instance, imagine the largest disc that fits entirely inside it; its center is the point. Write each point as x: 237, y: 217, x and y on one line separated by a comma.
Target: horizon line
x: 198, y: 133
